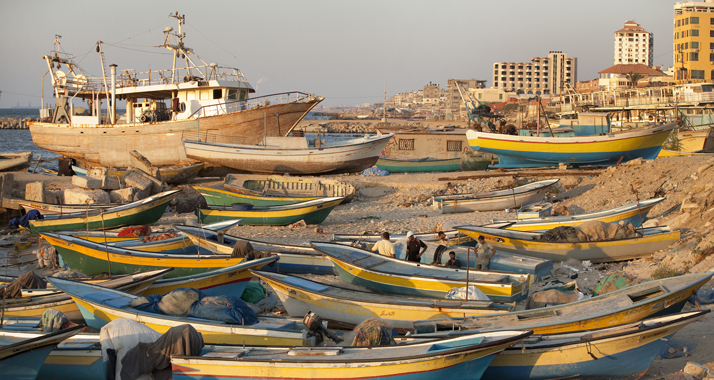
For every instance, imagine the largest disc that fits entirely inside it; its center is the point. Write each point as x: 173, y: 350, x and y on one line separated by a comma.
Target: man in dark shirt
x: 453, y: 261
x: 414, y: 246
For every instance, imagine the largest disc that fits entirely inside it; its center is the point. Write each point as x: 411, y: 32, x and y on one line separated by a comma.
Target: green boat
x: 145, y: 211
x: 218, y: 197
x: 422, y: 165
x: 312, y: 212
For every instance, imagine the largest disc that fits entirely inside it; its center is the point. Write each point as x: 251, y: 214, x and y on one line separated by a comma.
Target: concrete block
x: 35, y: 191
x: 695, y: 370
x: 97, y: 172
x: 138, y: 161
x: 125, y: 195
x: 52, y: 196
x: 138, y: 179
x: 109, y: 183
x: 79, y: 196
x: 87, y: 182
x: 7, y: 180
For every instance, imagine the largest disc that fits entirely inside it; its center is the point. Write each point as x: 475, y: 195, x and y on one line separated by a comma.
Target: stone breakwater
x: 370, y: 126
x: 15, y: 123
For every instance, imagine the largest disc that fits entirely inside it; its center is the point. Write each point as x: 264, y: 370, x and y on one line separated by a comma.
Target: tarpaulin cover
x: 460, y: 294
x: 54, y: 320
x: 24, y: 221
x: 27, y: 280
x: 227, y: 309
x: 121, y: 335
x: 550, y: 297
x: 135, y: 231
x: 253, y: 292
x: 614, y: 282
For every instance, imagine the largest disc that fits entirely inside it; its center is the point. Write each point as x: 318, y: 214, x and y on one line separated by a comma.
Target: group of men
x: 416, y: 247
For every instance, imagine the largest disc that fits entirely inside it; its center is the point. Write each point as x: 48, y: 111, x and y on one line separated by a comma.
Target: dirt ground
x: 402, y: 202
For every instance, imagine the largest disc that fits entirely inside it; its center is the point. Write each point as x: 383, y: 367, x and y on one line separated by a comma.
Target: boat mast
x: 174, y: 42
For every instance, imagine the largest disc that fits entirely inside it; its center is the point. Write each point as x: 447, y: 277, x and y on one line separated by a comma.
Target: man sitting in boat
x: 483, y: 258
x: 443, y: 244
x: 453, y: 261
x: 384, y: 247
x: 413, y: 248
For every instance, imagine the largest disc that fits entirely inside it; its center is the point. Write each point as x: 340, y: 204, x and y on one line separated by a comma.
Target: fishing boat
x: 22, y: 354
x: 53, y: 209
x: 463, y: 357
x: 455, y: 237
x: 312, y: 212
x: 345, y: 308
x: 293, y: 258
x: 627, y: 305
x: 34, y: 306
x: 163, y: 106
x: 287, y: 186
x: 674, y: 153
x: 628, y: 351
x: 633, y: 212
x: 289, y: 155
x: 100, y: 306
x: 527, y: 244
x: 493, y: 200
x: 93, y: 258
x: 173, y: 175
x: 14, y: 161
x: 145, y: 211
x: 218, y: 197
x: 603, y: 149
x: 423, y: 165
x: 393, y: 276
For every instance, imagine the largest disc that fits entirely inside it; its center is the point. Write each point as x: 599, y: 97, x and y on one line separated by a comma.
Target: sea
x: 20, y: 140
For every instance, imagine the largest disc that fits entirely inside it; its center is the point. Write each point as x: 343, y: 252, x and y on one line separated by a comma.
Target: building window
x: 693, y: 56
x: 695, y: 45
x: 695, y: 32
x: 406, y: 144
x: 695, y: 20
x: 453, y: 146
x: 697, y: 74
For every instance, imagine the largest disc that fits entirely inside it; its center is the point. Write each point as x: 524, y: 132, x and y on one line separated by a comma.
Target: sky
x: 346, y: 51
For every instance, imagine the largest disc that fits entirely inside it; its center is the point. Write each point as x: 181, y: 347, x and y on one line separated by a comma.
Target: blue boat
x: 22, y: 353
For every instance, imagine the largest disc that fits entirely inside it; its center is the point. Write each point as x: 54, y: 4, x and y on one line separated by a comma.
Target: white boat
x: 292, y: 155
x: 12, y: 161
x: 493, y: 200
x: 163, y: 106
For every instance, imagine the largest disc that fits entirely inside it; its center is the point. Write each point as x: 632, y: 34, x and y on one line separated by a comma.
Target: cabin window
x: 232, y: 94
x: 453, y: 146
x: 406, y: 144
x: 243, y: 95
x: 190, y: 95
x: 217, y: 93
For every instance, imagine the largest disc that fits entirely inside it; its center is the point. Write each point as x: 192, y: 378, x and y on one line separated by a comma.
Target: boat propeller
x: 314, y: 323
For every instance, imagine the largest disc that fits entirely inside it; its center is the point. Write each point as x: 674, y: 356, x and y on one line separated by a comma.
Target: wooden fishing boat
x: 35, y: 306
x: 395, y: 164
x: 218, y: 197
x: 291, y: 155
x: 145, y: 211
x: 674, y: 153
x: 78, y: 357
x: 94, y: 258
x: 627, y: 305
x: 628, y: 351
x: 230, y: 280
x: 174, y: 175
x: 463, y: 357
x: 628, y: 213
x: 346, y: 308
x: 524, y: 243
x: 493, y: 200
x: 455, y: 238
x: 22, y: 354
x: 52, y: 209
x: 604, y: 149
x: 179, y: 244
x: 14, y: 161
x: 293, y: 258
x: 312, y: 212
x: 393, y: 276
x: 163, y: 106
x: 286, y: 186
x: 100, y: 306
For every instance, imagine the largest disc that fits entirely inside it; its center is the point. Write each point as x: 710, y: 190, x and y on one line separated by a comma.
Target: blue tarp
x: 374, y: 172
x: 24, y: 221
x: 226, y: 309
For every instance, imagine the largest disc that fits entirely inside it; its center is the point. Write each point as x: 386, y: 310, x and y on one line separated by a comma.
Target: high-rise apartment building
x: 551, y: 75
x: 694, y: 41
x: 634, y: 45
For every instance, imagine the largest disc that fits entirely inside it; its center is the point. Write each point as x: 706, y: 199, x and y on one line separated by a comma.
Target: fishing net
x: 373, y: 332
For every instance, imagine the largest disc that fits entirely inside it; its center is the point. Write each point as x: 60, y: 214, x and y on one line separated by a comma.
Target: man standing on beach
x: 483, y: 258
x: 413, y: 248
x: 384, y: 247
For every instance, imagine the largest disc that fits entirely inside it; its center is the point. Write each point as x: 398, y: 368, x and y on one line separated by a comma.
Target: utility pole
x: 384, y: 105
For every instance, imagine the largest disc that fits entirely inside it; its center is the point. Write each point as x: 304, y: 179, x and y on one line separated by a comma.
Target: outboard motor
x: 314, y: 323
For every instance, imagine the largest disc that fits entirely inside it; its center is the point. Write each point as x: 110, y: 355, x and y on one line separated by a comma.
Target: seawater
x: 20, y: 140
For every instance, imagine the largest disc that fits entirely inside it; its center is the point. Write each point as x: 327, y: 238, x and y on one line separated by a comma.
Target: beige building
x: 490, y: 95
x: 634, y: 45
x: 454, y: 102
x: 694, y: 41
x: 433, y: 94
x: 551, y: 75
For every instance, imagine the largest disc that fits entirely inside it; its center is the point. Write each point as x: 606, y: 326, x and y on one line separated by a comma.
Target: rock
x: 695, y: 370
x: 678, y: 222
x: 78, y: 196
x: 140, y: 162
x: 689, y: 205
x: 635, y: 162
x: 708, y: 186
x: 125, y: 195
x: 109, y: 183
x: 138, y: 179
x: 651, y: 223
x: 87, y: 182
x: 35, y: 191
x: 7, y: 180
x: 52, y: 196
x: 97, y: 172
x: 702, y: 168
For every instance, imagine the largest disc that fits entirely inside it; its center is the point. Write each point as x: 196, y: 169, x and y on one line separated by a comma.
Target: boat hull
x: 160, y: 143
x: 312, y: 214
x: 416, y: 166
x: 523, y: 151
x: 14, y: 161
x: 218, y: 197
x: 493, y: 201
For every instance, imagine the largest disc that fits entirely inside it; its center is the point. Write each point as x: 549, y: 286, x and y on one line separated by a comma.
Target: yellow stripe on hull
x: 573, y: 223
x: 200, y: 283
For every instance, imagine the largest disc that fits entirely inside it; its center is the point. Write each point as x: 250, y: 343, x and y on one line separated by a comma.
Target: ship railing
x: 257, y: 102
x: 210, y: 136
x: 132, y: 78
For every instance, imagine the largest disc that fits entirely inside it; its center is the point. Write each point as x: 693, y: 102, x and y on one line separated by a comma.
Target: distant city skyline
x: 344, y: 51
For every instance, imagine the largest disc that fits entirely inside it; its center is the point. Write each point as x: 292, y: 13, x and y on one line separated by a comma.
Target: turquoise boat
x: 419, y: 165
x: 312, y: 212
x: 218, y: 197
x: 145, y: 211
x: 22, y: 353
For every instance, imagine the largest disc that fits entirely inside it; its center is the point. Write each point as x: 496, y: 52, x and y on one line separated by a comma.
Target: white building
x: 551, y: 75
x: 634, y: 45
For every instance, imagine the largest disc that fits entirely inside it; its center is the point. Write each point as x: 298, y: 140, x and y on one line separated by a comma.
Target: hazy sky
x: 343, y: 50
